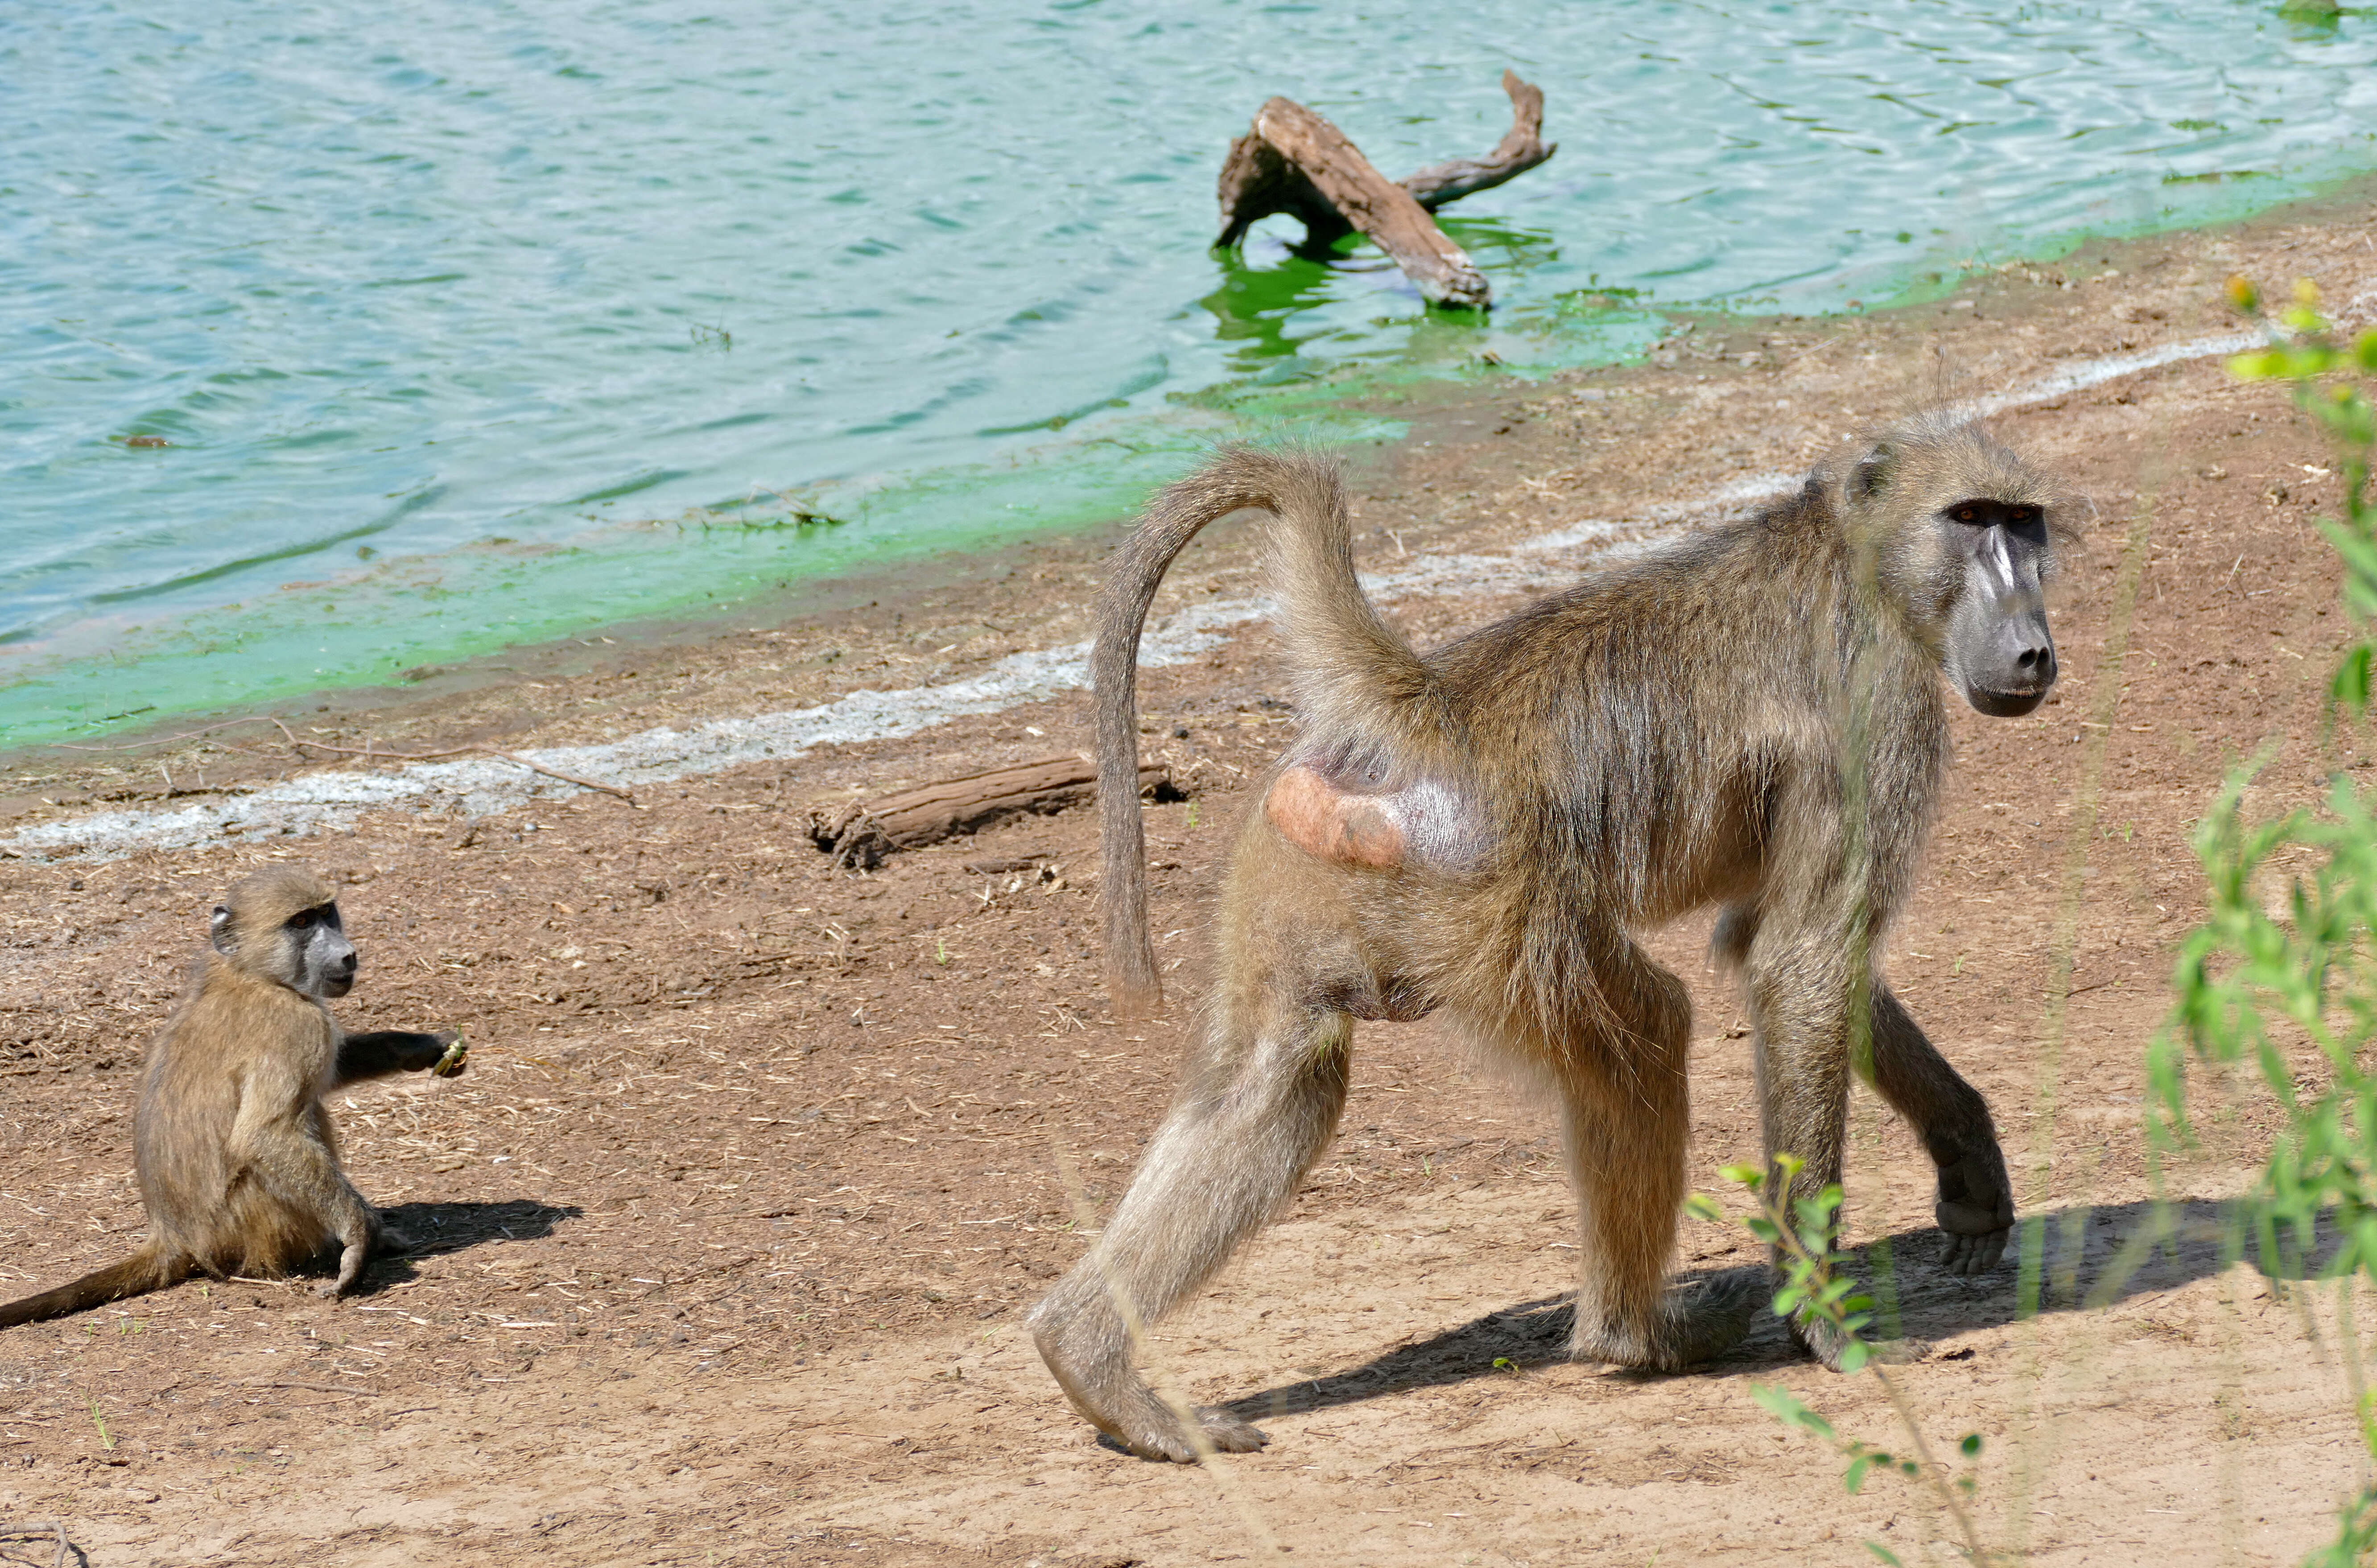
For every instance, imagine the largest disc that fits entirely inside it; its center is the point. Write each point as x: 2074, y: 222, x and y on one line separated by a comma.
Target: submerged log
x: 863, y: 833
x: 1295, y: 161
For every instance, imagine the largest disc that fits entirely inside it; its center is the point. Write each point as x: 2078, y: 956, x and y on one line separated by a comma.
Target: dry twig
x: 28, y: 1529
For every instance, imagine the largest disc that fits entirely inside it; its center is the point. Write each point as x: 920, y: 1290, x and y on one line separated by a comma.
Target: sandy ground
x: 732, y: 1222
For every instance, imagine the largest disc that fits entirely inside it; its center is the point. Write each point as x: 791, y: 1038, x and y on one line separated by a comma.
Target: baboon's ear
x: 1873, y: 473
x: 219, y: 930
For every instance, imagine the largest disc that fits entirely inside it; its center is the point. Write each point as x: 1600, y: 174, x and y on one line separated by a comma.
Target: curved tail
x: 1352, y: 673
x: 144, y: 1271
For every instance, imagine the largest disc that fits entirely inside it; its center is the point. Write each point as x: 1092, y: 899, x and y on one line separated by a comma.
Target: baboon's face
x: 308, y: 951
x: 1996, y: 646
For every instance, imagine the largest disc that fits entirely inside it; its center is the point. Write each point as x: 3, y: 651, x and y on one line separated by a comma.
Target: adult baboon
x: 238, y: 1166
x: 1751, y: 718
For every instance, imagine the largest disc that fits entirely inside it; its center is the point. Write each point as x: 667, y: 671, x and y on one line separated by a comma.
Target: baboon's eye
x: 300, y: 920
x: 2025, y: 514
x: 1964, y: 513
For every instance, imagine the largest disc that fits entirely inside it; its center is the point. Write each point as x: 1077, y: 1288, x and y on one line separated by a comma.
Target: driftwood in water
x: 1295, y: 161
x: 863, y: 833
x: 1520, y: 150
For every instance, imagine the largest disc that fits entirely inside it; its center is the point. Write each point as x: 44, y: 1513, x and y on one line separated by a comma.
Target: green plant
x: 1801, y: 1233
x: 2281, y: 976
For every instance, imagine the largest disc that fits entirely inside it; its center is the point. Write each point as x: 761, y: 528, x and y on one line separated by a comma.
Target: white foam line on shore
x: 333, y: 799
x: 2112, y: 367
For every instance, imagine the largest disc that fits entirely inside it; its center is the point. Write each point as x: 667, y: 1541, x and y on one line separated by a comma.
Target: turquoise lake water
x: 477, y: 325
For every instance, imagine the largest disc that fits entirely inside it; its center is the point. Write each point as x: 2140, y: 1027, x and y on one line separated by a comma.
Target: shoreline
x: 1013, y: 618
x: 661, y: 755
x: 1345, y: 396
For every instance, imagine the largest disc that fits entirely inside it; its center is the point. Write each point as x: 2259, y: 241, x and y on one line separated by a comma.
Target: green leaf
x: 1971, y: 1447
x: 1853, y: 1355
x: 1884, y: 1553
x: 1853, y: 1476
x: 1699, y: 1205
x: 2350, y: 687
x: 1748, y: 1176
x: 1785, y: 1406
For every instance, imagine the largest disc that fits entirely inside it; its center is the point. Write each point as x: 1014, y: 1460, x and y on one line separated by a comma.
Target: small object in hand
x: 456, y: 1057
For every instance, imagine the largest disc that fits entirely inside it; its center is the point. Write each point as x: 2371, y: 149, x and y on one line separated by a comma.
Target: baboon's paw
x: 1227, y: 1433
x: 1714, y: 1314
x: 1971, y: 1253
x: 1153, y: 1430
x: 1830, y: 1345
x: 1975, y: 1208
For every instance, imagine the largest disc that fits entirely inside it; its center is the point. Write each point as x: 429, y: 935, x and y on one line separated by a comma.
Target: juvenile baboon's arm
x: 382, y: 1052
x: 1976, y: 1204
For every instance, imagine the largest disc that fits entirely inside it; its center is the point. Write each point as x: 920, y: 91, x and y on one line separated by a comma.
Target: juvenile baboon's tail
x: 1352, y: 673
x: 144, y: 1271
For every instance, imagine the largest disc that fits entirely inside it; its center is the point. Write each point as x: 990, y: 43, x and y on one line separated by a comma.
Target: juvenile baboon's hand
x: 350, y: 1269
x: 1975, y: 1208
x: 457, y: 1056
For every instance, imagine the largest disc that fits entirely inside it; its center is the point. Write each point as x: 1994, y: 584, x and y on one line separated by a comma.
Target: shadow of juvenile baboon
x: 2086, y: 1256
x: 453, y: 1227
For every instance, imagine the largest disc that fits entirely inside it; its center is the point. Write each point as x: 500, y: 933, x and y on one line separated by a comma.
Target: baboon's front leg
x: 1976, y: 1204
x: 1257, y: 1112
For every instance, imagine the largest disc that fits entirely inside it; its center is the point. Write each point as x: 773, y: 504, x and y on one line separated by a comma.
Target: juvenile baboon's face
x: 306, y: 950
x: 1999, y: 650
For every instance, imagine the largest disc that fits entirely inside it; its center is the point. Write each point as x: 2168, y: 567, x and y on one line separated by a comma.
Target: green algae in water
x: 409, y: 282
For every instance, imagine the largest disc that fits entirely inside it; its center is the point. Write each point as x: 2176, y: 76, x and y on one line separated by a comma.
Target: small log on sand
x: 1295, y: 161
x: 864, y: 832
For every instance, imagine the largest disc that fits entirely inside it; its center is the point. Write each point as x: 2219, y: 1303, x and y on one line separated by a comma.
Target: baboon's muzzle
x: 2014, y: 670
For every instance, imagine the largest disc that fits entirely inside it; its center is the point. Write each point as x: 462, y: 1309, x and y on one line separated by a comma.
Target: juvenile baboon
x: 1751, y: 718
x: 238, y: 1166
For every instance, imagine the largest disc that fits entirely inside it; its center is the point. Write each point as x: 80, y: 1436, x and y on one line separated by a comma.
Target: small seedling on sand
x: 2282, y: 975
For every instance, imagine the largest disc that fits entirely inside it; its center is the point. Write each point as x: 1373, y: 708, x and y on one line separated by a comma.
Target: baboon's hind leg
x: 1626, y: 1128
x: 1261, y: 1107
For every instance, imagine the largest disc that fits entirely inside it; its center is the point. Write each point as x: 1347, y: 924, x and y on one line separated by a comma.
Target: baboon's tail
x: 1352, y: 673
x: 144, y: 1271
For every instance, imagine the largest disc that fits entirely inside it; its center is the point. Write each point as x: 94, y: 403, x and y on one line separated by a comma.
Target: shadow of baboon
x: 436, y: 1227
x: 2078, y: 1257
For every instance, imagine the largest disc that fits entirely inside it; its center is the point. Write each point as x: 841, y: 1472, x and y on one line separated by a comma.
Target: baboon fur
x: 237, y: 1160
x: 1670, y: 734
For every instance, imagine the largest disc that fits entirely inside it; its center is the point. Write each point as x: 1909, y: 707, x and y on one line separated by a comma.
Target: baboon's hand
x: 457, y: 1056
x: 350, y: 1269
x: 1975, y: 1208
x: 1157, y: 1433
